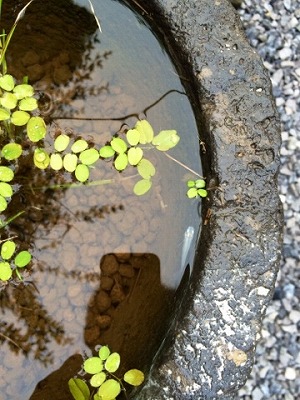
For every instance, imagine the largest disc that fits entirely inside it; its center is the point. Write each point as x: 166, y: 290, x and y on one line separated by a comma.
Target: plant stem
x: 183, y: 165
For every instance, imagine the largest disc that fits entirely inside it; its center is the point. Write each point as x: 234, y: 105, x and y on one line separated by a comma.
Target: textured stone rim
x: 213, y: 342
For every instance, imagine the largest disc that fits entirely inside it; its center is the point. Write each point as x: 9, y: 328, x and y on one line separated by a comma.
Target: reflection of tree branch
x: 124, y: 117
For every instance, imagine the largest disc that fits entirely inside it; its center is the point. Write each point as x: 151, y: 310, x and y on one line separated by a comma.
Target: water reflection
x: 130, y: 312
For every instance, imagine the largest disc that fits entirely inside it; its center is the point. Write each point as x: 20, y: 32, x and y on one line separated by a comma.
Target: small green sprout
x: 102, y: 369
x: 196, y: 188
x: 8, y: 264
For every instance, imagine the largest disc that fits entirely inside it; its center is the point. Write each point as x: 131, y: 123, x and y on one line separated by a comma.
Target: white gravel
x: 273, y: 28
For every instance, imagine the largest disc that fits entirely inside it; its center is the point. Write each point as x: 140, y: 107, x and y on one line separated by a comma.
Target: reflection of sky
x: 143, y: 70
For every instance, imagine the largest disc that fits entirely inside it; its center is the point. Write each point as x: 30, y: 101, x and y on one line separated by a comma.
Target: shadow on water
x: 129, y: 312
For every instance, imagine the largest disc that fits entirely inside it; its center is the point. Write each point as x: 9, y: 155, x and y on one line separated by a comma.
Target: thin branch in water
x: 11, y: 341
x: 183, y: 165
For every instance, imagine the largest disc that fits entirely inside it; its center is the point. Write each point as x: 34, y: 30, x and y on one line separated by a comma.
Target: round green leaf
x: 7, y: 249
x: 134, y: 154
x: 104, y: 352
x: 202, y: 192
x: 97, y: 379
x: 3, y: 204
x: 23, y: 90
x: 119, y: 145
x: 22, y: 259
x: 70, y: 162
x: 89, y: 156
x: 11, y: 151
x: 106, y: 152
x: 28, y: 104
x: 41, y: 158
x: 109, y: 390
x: 82, y: 173
x: 134, y: 377
x: 191, y: 183
x: 146, y: 169
x: 7, y: 82
x: 93, y: 365
x: 200, y: 183
x: 166, y: 140
x: 56, y: 162
x: 9, y: 100
x: 142, y: 187
x: 20, y: 118
x: 191, y: 193
x: 145, y: 130
x: 113, y: 362
x: 133, y: 137
x: 61, y: 142
x: 4, y: 114
x: 79, y: 146
x: 6, y: 174
x: 36, y: 129
x: 6, y: 189
x: 121, y: 162
x: 5, y: 271
x: 79, y: 389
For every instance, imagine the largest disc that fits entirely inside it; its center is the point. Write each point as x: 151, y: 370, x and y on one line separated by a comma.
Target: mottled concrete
x: 211, y: 347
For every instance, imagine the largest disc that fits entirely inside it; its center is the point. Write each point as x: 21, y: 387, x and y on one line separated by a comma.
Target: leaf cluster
x: 131, y: 151
x: 102, y: 369
x: 196, y: 188
x: 11, y: 261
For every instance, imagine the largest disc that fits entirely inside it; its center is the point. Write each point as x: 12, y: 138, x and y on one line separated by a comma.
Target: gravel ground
x: 273, y: 28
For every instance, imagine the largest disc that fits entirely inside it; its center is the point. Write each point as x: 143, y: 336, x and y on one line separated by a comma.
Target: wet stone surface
x: 212, y: 344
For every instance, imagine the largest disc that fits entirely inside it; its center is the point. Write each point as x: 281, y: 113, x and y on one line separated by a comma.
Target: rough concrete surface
x: 211, y: 348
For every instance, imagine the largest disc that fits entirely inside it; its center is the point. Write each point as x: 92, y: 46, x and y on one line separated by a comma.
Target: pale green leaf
x: 22, y: 259
x: 4, y: 114
x: 109, y: 390
x: 121, y: 162
x: 61, y: 142
x: 142, y: 187
x: 134, y: 377
x: 97, y: 379
x: 146, y: 169
x: 104, y: 352
x: 7, y: 82
x: 5, y: 271
x: 79, y: 389
x: 56, y: 162
x: 23, y: 90
x: 28, y: 104
x: 6, y: 174
x: 6, y: 189
x: 89, y: 156
x: 119, y: 145
x: 145, y: 130
x: 200, y: 183
x: 20, y: 118
x: 134, y: 154
x: 133, y: 137
x: 3, y: 203
x: 79, y: 146
x: 36, y: 129
x: 106, y: 152
x: 9, y: 100
x: 113, y: 362
x: 11, y: 151
x: 191, y: 193
x: 41, y: 158
x: 7, y: 249
x: 166, y: 140
x: 82, y: 173
x: 70, y: 162
x: 93, y: 365
x: 202, y: 192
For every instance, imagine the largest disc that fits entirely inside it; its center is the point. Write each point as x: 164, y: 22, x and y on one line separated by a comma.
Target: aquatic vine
x: 21, y: 123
